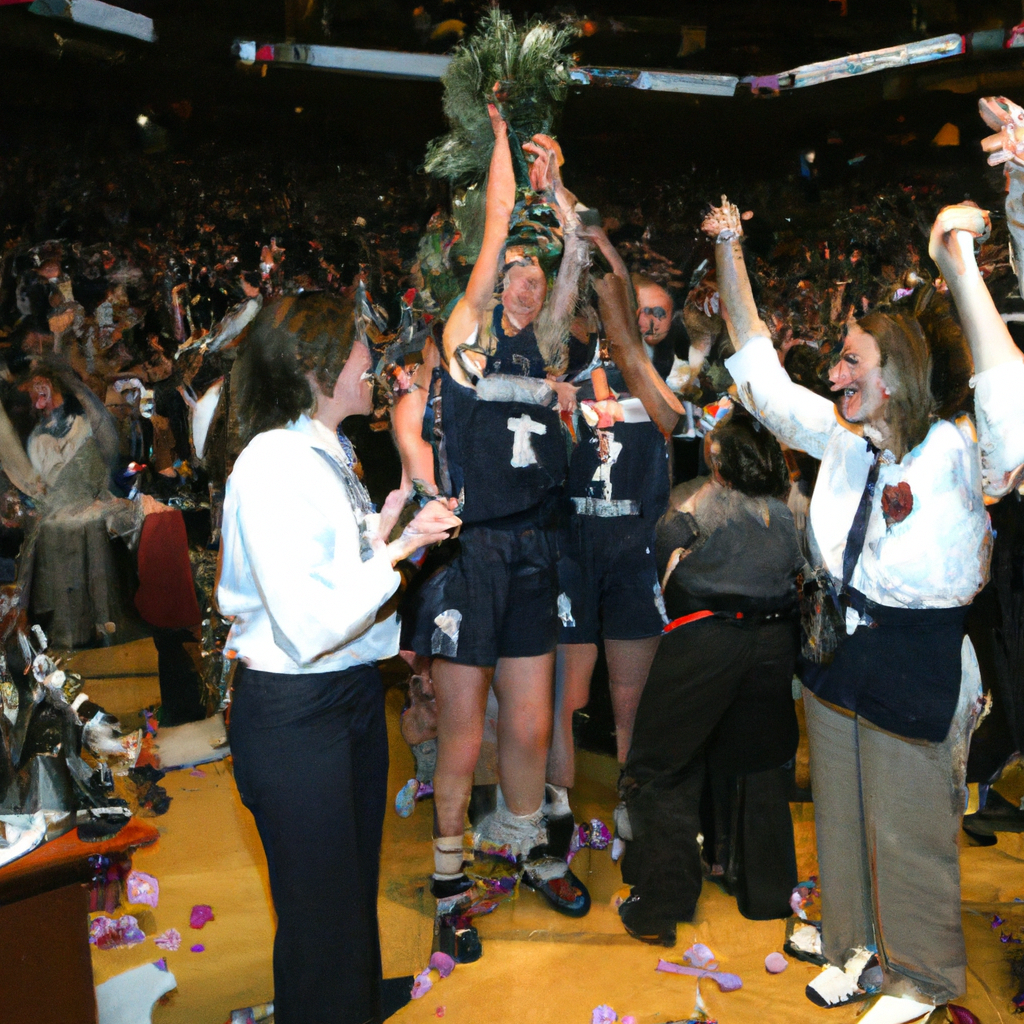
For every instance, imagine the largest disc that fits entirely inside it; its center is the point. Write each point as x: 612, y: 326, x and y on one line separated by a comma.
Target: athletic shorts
x: 608, y: 581
x: 497, y: 598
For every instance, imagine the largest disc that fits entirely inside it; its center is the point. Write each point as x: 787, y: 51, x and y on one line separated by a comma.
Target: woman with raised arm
x: 898, y: 516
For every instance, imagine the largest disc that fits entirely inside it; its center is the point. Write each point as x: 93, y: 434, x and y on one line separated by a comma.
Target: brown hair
x: 291, y: 338
x: 748, y: 458
x: 906, y: 365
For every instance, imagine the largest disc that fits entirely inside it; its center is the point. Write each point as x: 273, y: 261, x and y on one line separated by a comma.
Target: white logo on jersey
x: 609, y: 453
x: 522, y: 427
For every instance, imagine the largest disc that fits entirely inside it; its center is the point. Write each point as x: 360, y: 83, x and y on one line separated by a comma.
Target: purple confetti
x: 142, y: 888
x: 421, y: 984
x: 442, y: 963
x: 115, y: 933
x: 996, y: 921
x: 700, y: 955
x: 775, y: 963
x: 198, y: 948
x: 603, y: 1014
x: 725, y: 981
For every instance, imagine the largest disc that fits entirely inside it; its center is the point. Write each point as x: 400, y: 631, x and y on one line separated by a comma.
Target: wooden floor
x: 538, y: 967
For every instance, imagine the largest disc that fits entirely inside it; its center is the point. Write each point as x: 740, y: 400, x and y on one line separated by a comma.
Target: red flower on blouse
x: 897, y: 502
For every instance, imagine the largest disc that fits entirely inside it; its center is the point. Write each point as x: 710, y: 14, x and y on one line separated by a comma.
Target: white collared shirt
x: 936, y: 557
x: 302, y: 596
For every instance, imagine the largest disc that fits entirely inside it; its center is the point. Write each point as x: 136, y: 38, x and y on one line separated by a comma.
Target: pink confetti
x: 198, y: 948
x: 439, y: 1012
x: 198, y: 773
x: 201, y: 914
x: 628, y: 1019
x: 169, y: 940
x: 442, y: 963
x: 775, y: 963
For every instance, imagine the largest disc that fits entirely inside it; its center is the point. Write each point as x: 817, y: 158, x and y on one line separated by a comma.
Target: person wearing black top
x: 718, y: 696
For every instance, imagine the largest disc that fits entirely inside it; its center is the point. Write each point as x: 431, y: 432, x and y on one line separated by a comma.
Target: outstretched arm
x: 723, y: 224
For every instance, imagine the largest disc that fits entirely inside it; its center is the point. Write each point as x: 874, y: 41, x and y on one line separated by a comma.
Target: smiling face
x: 858, y: 375
x: 523, y: 294
x: 654, y: 314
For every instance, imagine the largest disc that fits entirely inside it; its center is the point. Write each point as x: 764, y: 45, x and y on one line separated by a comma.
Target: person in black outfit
x: 718, y: 696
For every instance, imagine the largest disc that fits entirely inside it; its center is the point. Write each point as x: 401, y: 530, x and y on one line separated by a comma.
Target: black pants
x: 311, y: 763
x: 181, y: 689
x: 718, y: 696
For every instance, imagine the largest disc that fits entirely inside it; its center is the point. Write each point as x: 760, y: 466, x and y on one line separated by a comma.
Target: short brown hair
x: 289, y: 340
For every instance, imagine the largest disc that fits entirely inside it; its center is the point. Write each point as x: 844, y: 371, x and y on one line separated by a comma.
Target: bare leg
x: 460, y: 692
x: 629, y: 661
x: 524, y: 688
x: 574, y: 667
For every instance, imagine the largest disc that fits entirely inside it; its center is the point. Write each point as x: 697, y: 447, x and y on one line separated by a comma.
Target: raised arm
x: 723, y: 224
x: 626, y: 348
x: 465, y: 319
x: 998, y: 364
x: 796, y: 416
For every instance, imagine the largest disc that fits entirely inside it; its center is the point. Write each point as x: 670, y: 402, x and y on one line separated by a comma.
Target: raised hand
x: 725, y: 219
x: 1008, y: 119
x: 947, y: 246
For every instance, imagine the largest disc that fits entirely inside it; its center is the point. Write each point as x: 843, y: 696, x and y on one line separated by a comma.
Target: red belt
x: 697, y: 616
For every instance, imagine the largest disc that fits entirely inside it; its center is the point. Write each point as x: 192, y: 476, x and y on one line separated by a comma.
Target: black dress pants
x: 311, y: 763
x: 718, y: 696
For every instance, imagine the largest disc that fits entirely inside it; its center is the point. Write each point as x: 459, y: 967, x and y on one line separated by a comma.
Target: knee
x: 531, y: 734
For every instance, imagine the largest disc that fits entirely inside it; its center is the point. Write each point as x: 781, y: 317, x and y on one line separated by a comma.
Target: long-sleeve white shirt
x: 301, y: 595
x: 938, y: 556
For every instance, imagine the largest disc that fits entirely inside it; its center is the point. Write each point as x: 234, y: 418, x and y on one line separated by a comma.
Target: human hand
x: 390, y: 511
x: 713, y: 415
x: 566, y: 393
x: 1008, y: 119
x: 951, y: 242
x: 547, y: 159
x: 725, y: 220
x: 430, y: 525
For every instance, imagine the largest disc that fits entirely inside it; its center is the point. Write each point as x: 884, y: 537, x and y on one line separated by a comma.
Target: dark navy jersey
x: 502, y: 457
x: 627, y: 462
x: 516, y: 355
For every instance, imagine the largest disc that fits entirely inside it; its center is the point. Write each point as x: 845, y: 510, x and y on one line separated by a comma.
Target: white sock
x: 447, y: 857
x: 896, y: 1010
x: 556, y: 804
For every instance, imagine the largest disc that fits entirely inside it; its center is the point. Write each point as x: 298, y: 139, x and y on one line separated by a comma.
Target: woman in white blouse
x: 306, y: 576
x: 899, y: 519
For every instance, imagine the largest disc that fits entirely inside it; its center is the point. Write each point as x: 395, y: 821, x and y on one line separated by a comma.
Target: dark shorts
x: 496, y: 599
x: 608, y: 581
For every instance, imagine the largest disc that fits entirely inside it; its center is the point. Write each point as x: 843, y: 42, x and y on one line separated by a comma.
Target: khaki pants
x: 887, y: 813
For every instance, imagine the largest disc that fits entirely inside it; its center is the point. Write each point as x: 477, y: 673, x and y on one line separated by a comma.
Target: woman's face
x: 354, y: 389
x: 524, y: 293
x: 858, y: 375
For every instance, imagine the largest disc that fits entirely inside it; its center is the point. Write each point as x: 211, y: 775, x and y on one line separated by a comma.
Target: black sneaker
x: 647, y: 927
x: 443, y: 888
x: 460, y: 940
